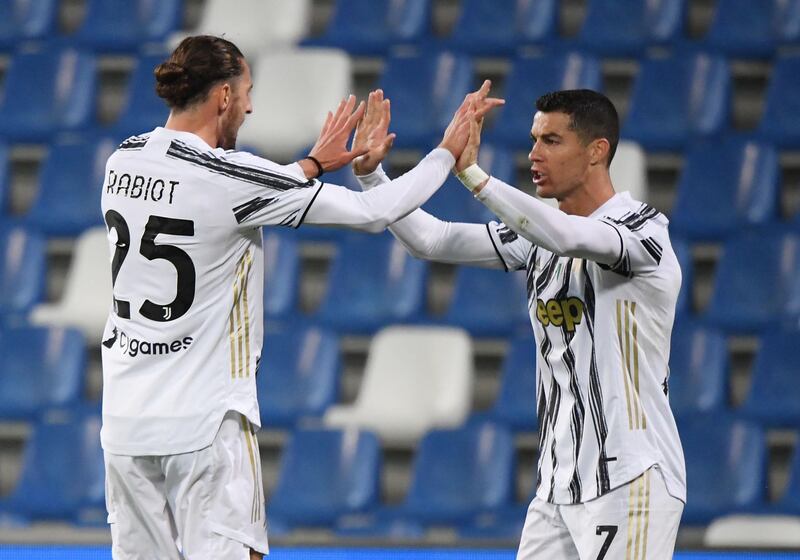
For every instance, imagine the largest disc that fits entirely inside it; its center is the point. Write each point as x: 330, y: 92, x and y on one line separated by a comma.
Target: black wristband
x: 320, y: 169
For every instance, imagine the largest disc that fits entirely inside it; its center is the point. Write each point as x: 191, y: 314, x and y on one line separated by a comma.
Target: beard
x: 228, y: 140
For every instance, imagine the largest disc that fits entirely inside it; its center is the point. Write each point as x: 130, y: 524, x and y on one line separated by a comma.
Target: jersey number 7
x: 149, y: 250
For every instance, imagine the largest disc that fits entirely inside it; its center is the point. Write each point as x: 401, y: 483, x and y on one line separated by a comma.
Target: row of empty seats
x: 462, y: 477
x: 371, y: 27
x: 676, y: 100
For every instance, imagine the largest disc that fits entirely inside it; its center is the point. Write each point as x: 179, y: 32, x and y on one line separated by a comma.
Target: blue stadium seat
x: 5, y: 176
x: 725, y: 466
x: 458, y: 474
x: 373, y: 282
x: 281, y: 275
x: 756, y: 281
x: 62, y: 468
x: 790, y: 501
x: 47, y: 90
x: 747, y: 29
x: 698, y: 369
x: 515, y: 405
x: 70, y: 184
x: 23, y: 268
x: 40, y: 367
x: 298, y: 376
x: 505, y: 523
x: 488, y: 302
x: 128, y: 25
x: 678, y: 98
x: 371, y: 27
x: 26, y: 20
x: 425, y: 90
x: 780, y: 122
x: 499, y: 27
x: 774, y: 397
x: 627, y: 28
x: 683, y: 252
x: 739, y: 178
x: 144, y: 109
x: 326, y: 474
x: 531, y: 77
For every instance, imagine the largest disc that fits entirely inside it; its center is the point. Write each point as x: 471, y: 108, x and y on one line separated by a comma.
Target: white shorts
x: 637, y: 521
x: 207, y: 504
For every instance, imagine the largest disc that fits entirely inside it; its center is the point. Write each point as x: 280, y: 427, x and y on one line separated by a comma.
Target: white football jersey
x: 184, y: 337
x: 603, y: 338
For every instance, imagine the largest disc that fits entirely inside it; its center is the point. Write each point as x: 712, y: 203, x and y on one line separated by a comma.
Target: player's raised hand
x: 372, y: 134
x: 474, y: 106
x: 470, y: 153
x: 331, y: 146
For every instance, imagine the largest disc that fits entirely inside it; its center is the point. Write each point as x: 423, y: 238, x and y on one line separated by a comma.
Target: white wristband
x: 472, y: 177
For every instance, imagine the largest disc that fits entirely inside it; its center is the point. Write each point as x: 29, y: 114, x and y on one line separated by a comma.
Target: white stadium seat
x: 292, y: 93
x: 87, y: 293
x: 629, y: 170
x: 416, y: 378
x: 754, y: 531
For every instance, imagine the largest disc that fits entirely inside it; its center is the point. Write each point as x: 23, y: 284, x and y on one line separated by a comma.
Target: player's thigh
x: 545, y: 536
x: 140, y: 521
x: 216, y: 495
x: 637, y: 521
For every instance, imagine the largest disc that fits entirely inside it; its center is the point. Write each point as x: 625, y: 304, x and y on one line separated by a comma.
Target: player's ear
x: 224, y: 97
x: 598, y: 151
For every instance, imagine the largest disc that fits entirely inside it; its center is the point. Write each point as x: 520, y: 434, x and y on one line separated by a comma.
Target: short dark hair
x: 592, y: 115
x: 195, y: 65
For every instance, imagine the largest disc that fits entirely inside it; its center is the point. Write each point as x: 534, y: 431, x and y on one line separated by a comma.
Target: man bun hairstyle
x: 195, y: 66
x: 592, y: 115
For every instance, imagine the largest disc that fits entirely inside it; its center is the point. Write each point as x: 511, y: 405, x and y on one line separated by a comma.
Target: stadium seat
x: 143, y: 109
x: 488, y: 302
x: 298, y: 375
x: 5, y: 176
x: 762, y: 531
x: 683, y: 252
x: 774, y: 397
x: 281, y: 275
x: 70, y: 183
x: 790, y: 501
x: 39, y: 368
x: 267, y: 25
x: 739, y: 178
x: 698, y: 369
x: 87, y: 296
x: 780, y: 122
x: 325, y: 474
x: 460, y: 473
x: 756, y: 285
x: 128, y: 25
x: 725, y: 466
x: 26, y: 20
x: 504, y: 524
x: 745, y: 29
x: 425, y: 90
x: 415, y: 379
x: 528, y: 79
x: 678, y: 98
x: 47, y: 90
x: 371, y: 27
x: 629, y: 170
x: 498, y: 28
x: 626, y: 29
x: 372, y: 282
x: 23, y: 267
x: 280, y: 133
x: 516, y: 405
x: 62, y: 472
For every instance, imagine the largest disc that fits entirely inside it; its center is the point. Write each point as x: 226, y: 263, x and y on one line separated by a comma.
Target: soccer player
x: 602, y: 285
x: 180, y: 349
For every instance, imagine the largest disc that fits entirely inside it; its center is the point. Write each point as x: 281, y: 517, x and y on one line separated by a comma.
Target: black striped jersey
x: 603, y: 338
x: 183, y: 339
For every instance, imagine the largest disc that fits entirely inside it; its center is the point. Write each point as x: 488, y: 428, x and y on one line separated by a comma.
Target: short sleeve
x: 261, y: 192
x: 511, y: 248
x: 643, y: 235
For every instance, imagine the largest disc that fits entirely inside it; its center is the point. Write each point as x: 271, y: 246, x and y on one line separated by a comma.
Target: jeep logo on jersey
x: 135, y: 347
x: 557, y: 312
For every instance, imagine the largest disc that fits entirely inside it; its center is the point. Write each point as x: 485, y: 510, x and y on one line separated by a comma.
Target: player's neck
x: 197, y: 123
x: 587, y: 198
